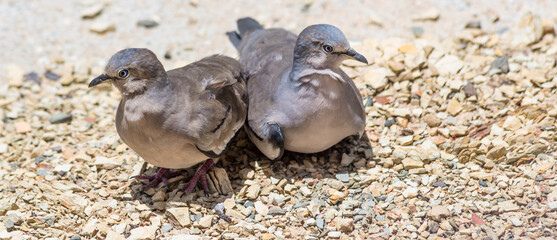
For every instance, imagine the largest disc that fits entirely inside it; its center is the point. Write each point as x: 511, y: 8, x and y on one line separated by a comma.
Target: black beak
x: 103, y: 77
x: 356, y: 56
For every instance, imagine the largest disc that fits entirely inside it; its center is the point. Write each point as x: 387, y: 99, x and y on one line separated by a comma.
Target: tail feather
x: 245, y: 26
x: 234, y: 38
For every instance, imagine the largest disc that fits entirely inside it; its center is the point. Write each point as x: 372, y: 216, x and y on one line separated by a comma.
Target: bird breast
x: 314, y: 118
x: 143, y: 133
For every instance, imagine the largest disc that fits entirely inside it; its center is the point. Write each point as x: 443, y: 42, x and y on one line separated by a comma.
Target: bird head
x: 132, y: 70
x: 324, y: 46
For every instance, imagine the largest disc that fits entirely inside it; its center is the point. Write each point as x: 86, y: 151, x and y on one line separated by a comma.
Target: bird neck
x: 301, y: 69
x: 298, y: 67
x: 140, y: 87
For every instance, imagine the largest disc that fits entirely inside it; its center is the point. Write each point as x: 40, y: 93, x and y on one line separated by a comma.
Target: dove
x: 299, y: 98
x: 179, y: 118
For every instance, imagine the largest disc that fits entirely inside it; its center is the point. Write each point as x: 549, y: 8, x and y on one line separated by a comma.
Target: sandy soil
x: 37, y: 33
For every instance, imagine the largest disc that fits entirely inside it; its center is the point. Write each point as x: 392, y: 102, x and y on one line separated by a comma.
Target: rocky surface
x: 459, y: 143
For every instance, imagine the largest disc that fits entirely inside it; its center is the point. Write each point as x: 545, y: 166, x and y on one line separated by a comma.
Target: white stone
x: 205, y: 222
x: 106, y: 163
x: 516, y: 222
x: 410, y: 163
x: 120, y: 228
x: 305, y: 191
x: 261, y: 208
x: 529, y: 101
x: 406, y: 140
x: 377, y: 78
x: 431, y: 14
x: 512, y: 123
x: 143, y: 233
x: 400, y: 112
x: 438, y: 212
x: 496, y: 130
x: 14, y: 75
x: 508, y: 206
x: 411, y: 228
x: 186, y: 237
x: 253, y: 191
x: 449, y: 65
x: 181, y: 214
x: 92, y: 11
x: 375, y: 19
x: 102, y: 27
x: 410, y: 192
x: 334, y: 234
x: 552, y: 205
x: 90, y: 226
x: 3, y: 148
x: 63, y: 167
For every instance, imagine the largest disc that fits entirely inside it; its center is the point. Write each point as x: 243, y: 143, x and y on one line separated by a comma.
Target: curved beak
x: 103, y: 77
x: 356, y: 56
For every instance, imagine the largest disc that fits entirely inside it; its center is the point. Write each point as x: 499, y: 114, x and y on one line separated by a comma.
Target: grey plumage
x: 299, y: 99
x: 178, y: 118
x: 245, y: 26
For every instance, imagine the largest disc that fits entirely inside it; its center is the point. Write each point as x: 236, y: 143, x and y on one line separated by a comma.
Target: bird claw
x: 162, y: 175
x: 201, y: 173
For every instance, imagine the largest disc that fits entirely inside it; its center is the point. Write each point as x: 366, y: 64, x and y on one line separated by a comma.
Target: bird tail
x: 245, y: 26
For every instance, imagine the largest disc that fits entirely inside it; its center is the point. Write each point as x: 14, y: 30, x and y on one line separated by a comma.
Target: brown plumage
x: 179, y: 118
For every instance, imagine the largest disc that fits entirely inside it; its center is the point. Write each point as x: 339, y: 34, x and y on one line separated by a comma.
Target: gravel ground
x: 460, y: 139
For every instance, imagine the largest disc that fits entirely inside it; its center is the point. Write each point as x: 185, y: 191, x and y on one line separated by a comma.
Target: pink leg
x: 200, y: 173
x: 162, y: 175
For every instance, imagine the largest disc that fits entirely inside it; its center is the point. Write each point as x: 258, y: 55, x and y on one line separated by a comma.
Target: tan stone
x: 454, y: 107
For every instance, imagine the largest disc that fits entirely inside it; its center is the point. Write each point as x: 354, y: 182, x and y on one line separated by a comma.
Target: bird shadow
x: 244, y: 166
x: 348, y: 156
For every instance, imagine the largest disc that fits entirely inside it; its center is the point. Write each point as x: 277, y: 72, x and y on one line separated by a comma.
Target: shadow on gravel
x: 243, y: 165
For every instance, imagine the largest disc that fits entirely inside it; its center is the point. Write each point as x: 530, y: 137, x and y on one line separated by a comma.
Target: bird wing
x: 214, y: 93
x: 266, y: 56
x: 355, y: 104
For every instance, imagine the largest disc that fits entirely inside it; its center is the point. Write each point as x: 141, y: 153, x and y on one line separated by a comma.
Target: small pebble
x: 417, y: 31
x: 276, y: 211
x: 52, y: 76
x: 320, y: 222
x: 474, y: 25
x: 166, y: 227
x: 439, y: 184
x: 389, y: 122
x: 343, y: 177
x: 147, y: 23
x: 75, y: 237
x: 33, y: 77
x: 60, y: 118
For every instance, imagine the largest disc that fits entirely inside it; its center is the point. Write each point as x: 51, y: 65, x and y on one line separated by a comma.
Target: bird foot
x: 201, y: 173
x: 161, y: 176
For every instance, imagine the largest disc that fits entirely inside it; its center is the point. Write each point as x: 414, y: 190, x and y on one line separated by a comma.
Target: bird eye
x: 327, y: 48
x: 123, y: 73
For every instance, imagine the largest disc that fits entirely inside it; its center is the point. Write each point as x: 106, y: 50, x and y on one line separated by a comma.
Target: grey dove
x: 299, y: 98
x: 179, y: 118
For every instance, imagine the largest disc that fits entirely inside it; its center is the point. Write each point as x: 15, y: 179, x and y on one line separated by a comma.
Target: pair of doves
x: 290, y: 88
